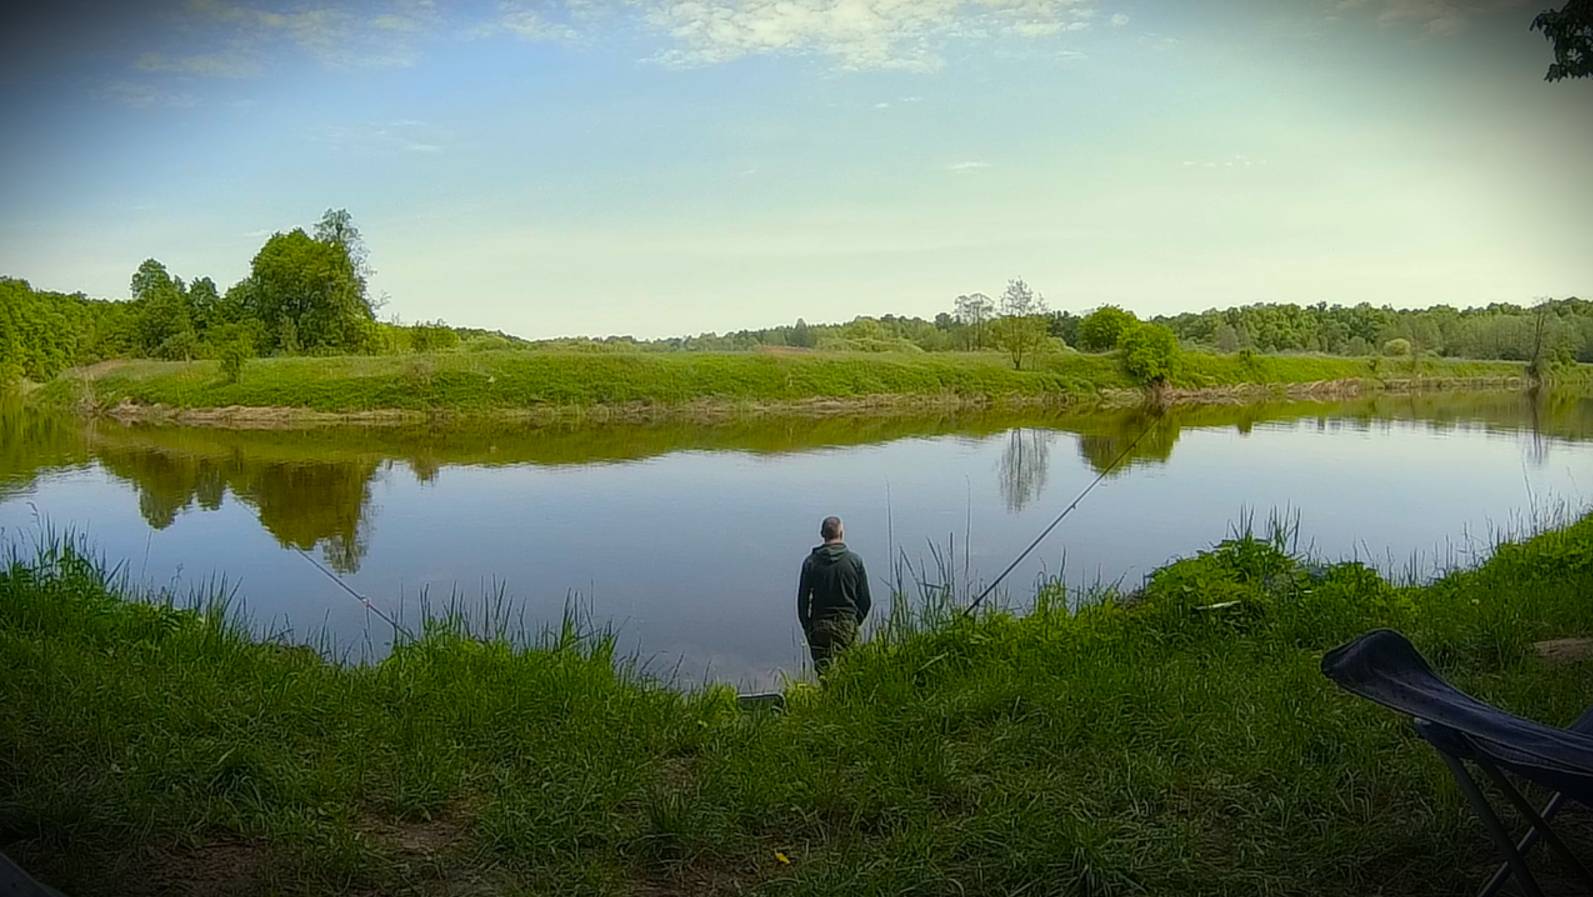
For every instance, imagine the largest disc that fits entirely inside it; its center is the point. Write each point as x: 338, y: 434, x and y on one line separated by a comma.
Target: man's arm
x: 804, y: 599
x: 864, y: 602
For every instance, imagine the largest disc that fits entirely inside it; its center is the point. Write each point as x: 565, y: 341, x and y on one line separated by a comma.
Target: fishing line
x: 397, y: 626
x: 968, y: 611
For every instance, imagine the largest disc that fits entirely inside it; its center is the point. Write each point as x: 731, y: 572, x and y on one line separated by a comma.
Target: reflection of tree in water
x: 1101, y: 447
x: 32, y: 443
x: 306, y: 504
x: 302, y: 504
x: 1024, y: 466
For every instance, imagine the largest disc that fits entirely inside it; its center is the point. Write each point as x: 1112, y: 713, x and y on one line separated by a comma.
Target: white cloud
x: 213, y: 65
x: 1119, y: 20
x: 142, y: 95
x: 1439, y: 18
x: 407, y: 135
x: 1238, y: 160
x: 391, y: 22
x: 855, y: 34
x: 334, y: 34
x: 530, y: 24
x: 910, y: 35
x: 967, y: 166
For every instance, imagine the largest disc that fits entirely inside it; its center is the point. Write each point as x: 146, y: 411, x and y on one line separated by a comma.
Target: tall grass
x: 1150, y: 745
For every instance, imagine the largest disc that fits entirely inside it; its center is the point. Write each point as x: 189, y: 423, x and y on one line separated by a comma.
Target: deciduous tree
x: 1021, y: 329
x: 1101, y: 329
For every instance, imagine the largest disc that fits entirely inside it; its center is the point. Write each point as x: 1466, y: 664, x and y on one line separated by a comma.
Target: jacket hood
x: 829, y: 554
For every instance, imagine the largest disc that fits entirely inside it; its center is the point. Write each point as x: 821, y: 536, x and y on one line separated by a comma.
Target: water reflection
x: 1025, y: 465
x: 304, y: 504
x: 312, y: 489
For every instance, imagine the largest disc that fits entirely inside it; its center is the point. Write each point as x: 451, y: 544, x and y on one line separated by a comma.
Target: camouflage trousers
x: 828, y: 638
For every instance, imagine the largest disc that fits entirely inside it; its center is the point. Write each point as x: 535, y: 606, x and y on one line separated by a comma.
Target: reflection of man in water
x: 832, y: 598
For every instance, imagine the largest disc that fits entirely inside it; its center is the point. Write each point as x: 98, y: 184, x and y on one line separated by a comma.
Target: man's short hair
x: 830, y: 528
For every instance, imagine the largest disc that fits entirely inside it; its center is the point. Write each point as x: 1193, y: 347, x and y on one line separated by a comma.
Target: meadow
x: 521, y: 381
x: 1099, y: 744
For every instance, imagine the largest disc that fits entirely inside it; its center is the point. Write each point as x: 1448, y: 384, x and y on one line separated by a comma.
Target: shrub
x: 1397, y: 346
x: 490, y: 342
x: 432, y: 336
x: 180, y: 346
x: 1101, y: 329
x: 1150, y: 352
x: 234, y: 346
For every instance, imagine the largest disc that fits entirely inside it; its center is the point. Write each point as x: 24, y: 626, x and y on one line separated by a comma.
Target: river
x: 686, y: 537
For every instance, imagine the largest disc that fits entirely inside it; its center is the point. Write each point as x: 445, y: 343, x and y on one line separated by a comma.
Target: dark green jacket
x: 833, y: 583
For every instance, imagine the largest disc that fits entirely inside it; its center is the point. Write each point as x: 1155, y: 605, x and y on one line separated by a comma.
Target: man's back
x: 834, y: 584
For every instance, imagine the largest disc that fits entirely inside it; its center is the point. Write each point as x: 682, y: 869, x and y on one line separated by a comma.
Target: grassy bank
x: 1117, y: 750
x: 530, y: 382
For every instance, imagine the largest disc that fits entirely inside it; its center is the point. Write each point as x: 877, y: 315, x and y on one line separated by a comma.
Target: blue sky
x: 654, y: 167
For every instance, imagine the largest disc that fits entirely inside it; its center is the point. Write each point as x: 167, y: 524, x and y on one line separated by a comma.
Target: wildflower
x: 782, y: 858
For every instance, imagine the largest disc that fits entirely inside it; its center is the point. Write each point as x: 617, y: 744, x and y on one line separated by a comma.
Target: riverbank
x: 1118, y: 750
x: 547, y: 387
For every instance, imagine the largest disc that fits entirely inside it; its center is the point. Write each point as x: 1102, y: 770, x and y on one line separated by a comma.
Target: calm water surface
x: 687, y: 537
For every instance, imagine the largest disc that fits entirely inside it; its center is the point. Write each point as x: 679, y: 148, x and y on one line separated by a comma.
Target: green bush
x: 1101, y: 329
x: 432, y: 336
x: 1399, y: 346
x: 1149, y: 353
x: 234, y: 345
x: 180, y: 346
x: 489, y: 342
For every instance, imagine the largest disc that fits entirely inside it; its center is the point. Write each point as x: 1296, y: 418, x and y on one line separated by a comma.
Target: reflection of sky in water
x: 693, y: 555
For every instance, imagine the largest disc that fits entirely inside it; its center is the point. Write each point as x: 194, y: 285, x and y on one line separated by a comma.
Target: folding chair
x: 1384, y: 667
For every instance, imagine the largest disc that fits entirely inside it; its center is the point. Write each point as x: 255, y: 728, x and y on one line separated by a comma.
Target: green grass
x: 1122, y: 749
x: 487, y: 382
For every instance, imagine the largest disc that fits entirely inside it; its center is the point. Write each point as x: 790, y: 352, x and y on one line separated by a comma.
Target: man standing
x: 832, y: 597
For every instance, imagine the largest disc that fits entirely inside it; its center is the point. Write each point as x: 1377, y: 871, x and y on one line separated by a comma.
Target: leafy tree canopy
x: 1101, y: 329
x: 1570, y: 30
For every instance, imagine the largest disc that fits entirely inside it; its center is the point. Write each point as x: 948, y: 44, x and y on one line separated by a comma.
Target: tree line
x: 306, y: 293
x: 1562, y: 327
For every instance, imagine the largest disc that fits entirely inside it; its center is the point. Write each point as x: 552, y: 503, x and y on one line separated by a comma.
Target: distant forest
x: 306, y: 294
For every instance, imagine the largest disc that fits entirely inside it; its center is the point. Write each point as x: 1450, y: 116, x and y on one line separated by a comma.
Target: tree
x: 801, y: 335
x: 1570, y: 31
x: 11, y: 347
x: 310, y: 292
x: 164, y: 327
x: 1064, y: 325
x: 1398, y: 346
x: 1021, y: 329
x: 1150, y: 353
x: 973, y: 311
x: 336, y: 228
x: 205, y: 305
x: 150, y: 277
x: 1101, y: 329
x: 1226, y: 337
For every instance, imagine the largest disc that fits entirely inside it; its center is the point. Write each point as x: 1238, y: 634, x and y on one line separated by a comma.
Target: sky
x: 659, y: 167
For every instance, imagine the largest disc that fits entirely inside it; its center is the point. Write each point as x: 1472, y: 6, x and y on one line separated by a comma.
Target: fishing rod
x: 1123, y: 455
x: 397, y: 626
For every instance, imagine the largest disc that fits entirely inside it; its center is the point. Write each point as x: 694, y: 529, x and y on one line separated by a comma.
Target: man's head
x: 831, y: 530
